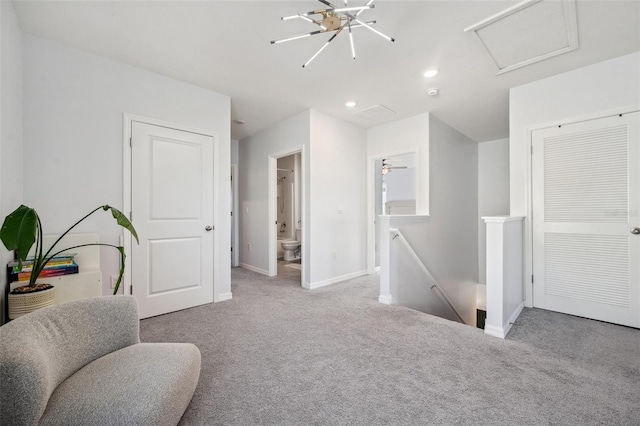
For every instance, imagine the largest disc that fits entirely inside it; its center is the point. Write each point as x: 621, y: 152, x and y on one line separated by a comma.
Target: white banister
x: 505, y: 276
x: 385, y: 278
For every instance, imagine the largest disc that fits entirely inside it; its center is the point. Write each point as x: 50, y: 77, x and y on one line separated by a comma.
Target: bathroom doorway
x: 286, y: 237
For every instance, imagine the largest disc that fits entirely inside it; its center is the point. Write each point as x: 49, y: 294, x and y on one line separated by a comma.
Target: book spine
x: 59, y: 258
x: 50, y: 265
x: 25, y: 276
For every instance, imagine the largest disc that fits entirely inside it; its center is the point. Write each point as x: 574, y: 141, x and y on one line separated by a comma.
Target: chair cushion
x: 142, y: 384
x: 41, y: 350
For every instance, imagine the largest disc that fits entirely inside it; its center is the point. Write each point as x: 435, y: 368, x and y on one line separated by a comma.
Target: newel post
x: 505, y: 273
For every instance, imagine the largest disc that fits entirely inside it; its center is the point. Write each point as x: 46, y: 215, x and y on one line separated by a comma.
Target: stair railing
x: 396, y: 234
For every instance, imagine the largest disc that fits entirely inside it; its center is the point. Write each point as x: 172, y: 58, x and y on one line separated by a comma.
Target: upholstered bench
x: 82, y: 363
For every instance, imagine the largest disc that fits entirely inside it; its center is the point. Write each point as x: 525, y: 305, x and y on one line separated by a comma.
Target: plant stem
x: 37, y: 255
x: 119, y: 248
x: 67, y: 231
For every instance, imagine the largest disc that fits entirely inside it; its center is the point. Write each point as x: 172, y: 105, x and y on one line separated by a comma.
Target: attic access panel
x: 528, y: 32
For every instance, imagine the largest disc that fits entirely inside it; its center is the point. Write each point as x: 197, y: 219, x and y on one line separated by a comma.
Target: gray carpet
x: 280, y: 355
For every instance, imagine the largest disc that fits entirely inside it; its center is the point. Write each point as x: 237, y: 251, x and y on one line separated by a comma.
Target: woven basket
x: 22, y: 304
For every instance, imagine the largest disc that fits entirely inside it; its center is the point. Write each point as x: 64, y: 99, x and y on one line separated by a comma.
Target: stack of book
x: 59, y: 265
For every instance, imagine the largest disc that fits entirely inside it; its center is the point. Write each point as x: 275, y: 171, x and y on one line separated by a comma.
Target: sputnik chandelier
x: 334, y: 20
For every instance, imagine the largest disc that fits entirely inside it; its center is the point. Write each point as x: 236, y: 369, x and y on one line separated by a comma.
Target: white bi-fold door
x: 172, y: 211
x: 586, y: 219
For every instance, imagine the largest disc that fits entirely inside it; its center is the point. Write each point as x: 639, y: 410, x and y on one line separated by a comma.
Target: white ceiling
x: 224, y: 46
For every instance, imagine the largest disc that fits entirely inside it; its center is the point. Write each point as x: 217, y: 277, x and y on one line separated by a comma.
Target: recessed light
x: 433, y: 91
x: 431, y: 73
x: 350, y: 104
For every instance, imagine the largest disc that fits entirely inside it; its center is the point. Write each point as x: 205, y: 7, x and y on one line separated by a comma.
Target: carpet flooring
x: 277, y: 354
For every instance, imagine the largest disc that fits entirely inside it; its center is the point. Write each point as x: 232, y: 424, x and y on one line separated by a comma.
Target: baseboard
x: 224, y: 296
x: 254, y: 269
x: 514, y: 316
x: 501, y: 332
x: 387, y: 300
x: 319, y: 284
x: 494, y: 331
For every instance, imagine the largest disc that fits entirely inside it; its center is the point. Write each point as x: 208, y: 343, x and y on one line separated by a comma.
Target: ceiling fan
x: 334, y: 19
x: 386, y: 167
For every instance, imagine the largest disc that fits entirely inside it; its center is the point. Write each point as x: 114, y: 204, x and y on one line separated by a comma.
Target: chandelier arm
x: 349, y: 9
x: 304, y: 16
x: 323, y: 47
x: 299, y: 36
x: 325, y: 2
x: 311, y: 21
x: 353, y: 49
x: 368, y: 23
x: 380, y: 33
x: 369, y: 3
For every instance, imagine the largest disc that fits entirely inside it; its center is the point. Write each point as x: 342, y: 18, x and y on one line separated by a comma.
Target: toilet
x: 290, y: 248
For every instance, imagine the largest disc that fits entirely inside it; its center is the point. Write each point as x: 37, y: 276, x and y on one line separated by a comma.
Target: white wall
x: 493, y: 191
x: 338, y: 200
x: 407, y: 135
x: 73, y: 137
x: 447, y: 241
x: 401, y: 184
x: 402, y: 136
x: 589, y: 90
x: 452, y: 245
x: 11, y: 134
x: 234, y: 151
x: 254, y: 153
x: 334, y: 176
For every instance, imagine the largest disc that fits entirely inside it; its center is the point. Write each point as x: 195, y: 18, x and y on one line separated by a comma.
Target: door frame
x: 126, y: 240
x: 272, y: 215
x: 528, y: 220
x: 234, y: 212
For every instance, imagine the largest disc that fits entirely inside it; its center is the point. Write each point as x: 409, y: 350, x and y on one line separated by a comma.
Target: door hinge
x: 130, y: 288
x: 231, y: 213
x: 531, y: 279
x: 130, y: 216
x: 531, y: 149
x: 130, y: 142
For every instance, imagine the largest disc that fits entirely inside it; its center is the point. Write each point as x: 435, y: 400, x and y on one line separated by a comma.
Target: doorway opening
x: 394, y: 191
x: 287, y: 194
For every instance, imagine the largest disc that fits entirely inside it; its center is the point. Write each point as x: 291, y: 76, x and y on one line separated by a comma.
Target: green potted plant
x: 21, y: 230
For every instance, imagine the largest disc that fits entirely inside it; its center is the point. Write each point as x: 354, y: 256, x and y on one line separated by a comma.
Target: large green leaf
x: 122, y: 221
x: 19, y: 230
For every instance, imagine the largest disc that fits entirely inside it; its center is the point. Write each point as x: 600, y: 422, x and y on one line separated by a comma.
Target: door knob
x: 208, y: 228
x: 635, y: 231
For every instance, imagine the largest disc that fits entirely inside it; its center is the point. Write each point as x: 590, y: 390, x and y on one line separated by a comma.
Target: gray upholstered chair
x: 82, y: 363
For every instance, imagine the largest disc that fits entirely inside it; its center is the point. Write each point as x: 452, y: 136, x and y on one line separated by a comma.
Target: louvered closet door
x: 586, y: 191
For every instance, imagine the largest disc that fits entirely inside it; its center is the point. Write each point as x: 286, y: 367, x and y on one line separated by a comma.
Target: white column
x: 505, y: 278
x: 385, y: 288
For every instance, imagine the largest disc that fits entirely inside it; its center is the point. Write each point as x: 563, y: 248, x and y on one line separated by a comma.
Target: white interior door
x: 586, y: 216
x: 172, y: 210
